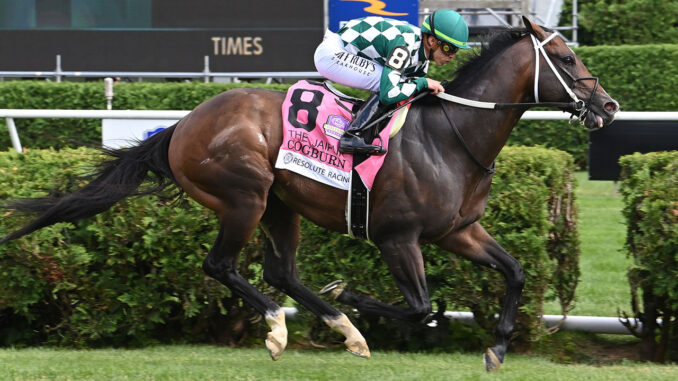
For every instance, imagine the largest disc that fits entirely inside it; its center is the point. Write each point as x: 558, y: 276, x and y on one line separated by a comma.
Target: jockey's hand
x: 435, y: 86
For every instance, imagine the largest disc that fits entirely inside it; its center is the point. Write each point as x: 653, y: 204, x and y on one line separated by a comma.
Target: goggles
x: 447, y: 48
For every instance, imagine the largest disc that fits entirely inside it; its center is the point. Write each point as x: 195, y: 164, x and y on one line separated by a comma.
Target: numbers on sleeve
x: 399, y: 58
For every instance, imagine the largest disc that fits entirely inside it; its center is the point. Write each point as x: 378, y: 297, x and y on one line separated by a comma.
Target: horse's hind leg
x: 221, y: 264
x: 281, y: 226
x: 474, y: 243
x: 404, y: 260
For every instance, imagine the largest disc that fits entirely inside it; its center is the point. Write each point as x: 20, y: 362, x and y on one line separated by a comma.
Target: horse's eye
x: 568, y: 60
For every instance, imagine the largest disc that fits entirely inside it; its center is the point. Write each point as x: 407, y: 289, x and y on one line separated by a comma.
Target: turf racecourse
x: 219, y: 363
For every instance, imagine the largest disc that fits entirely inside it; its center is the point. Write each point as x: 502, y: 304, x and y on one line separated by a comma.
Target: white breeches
x: 335, y: 63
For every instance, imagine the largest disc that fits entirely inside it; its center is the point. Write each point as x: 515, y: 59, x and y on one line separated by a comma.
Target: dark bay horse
x: 432, y: 188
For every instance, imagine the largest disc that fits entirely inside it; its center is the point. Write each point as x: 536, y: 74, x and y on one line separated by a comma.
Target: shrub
x: 650, y: 190
x: 619, y: 22
x: 125, y: 277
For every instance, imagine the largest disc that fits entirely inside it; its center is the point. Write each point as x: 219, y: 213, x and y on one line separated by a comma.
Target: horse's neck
x: 506, y: 80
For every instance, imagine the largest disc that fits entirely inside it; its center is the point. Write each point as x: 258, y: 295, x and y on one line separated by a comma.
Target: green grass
x: 603, y: 287
x: 218, y: 363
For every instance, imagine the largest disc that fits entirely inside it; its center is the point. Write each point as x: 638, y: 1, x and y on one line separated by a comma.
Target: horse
x: 432, y: 188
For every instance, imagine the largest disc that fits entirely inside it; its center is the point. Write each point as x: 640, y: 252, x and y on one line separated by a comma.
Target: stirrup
x: 363, y: 147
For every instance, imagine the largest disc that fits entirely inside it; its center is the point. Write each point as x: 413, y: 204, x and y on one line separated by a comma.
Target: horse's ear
x: 528, y: 25
x: 534, y: 28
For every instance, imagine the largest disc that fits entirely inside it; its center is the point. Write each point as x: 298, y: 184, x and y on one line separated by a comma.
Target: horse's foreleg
x: 474, y: 243
x: 281, y: 226
x: 406, y: 264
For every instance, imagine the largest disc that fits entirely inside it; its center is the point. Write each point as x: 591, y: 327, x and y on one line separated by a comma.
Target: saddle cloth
x: 313, y: 121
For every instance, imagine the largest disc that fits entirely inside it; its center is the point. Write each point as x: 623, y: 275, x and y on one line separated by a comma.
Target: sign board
x: 160, y: 35
x: 625, y: 137
x: 119, y: 133
x: 341, y: 11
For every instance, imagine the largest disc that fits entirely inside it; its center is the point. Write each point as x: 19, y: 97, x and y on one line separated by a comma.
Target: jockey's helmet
x: 448, y: 26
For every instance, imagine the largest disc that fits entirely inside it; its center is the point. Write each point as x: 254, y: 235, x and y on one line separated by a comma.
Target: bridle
x: 581, y: 107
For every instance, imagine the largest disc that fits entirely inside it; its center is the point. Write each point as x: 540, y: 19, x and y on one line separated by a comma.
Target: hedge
x: 618, y: 22
x: 650, y: 190
x: 641, y: 78
x: 130, y: 275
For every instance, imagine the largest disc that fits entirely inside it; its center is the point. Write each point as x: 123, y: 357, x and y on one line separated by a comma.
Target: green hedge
x: 531, y: 213
x: 650, y: 189
x: 641, y: 78
x: 125, y: 277
x: 130, y: 275
x: 619, y: 22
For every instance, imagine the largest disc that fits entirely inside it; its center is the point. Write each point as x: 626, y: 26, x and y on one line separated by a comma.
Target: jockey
x: 390, y: 58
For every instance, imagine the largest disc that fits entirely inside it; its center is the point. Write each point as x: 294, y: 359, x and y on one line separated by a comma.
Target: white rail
x: 10, y: 114
x: 592, y: 324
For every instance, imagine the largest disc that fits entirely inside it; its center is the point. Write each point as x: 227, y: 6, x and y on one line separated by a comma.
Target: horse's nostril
x: 611, y: 106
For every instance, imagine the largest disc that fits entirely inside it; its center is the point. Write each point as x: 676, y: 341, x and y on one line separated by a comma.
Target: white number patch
x: 399, y: 58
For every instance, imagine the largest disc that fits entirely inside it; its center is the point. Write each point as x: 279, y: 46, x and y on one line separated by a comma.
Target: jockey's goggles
x: 447, y: 48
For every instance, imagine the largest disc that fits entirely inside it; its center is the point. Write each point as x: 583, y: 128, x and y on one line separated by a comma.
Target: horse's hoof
x: 491, y: 361
x: 276, y: 339
x: 334, y: 288
x: 359, y: 349
x: 275, y: 348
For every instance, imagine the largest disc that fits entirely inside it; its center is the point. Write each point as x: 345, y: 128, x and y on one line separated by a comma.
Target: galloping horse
x: 433, y: 186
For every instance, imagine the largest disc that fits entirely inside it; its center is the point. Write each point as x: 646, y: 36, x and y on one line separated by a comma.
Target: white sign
x: 119, y: 133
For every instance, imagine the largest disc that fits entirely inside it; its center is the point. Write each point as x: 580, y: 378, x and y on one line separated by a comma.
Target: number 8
x: 398, y: 59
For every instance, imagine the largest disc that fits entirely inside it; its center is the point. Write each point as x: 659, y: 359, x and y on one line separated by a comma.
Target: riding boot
x: 353, y: 141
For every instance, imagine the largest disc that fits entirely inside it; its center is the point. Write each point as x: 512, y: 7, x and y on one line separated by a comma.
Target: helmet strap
x: 433, y: 33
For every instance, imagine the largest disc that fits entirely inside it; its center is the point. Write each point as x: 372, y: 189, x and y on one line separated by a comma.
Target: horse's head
x: 561, y: 76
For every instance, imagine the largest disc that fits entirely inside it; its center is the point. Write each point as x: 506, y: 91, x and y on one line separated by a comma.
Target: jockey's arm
x: 392, y: 88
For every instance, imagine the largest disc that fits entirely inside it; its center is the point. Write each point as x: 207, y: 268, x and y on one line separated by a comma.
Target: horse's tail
x: 115, y: 179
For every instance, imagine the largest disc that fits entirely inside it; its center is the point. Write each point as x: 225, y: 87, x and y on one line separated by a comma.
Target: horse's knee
x: 275, y: 279
x: 218, y: 270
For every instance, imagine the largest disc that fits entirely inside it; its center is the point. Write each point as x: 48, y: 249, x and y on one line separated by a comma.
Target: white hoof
x: 276, y: 340
x: 355, y: 342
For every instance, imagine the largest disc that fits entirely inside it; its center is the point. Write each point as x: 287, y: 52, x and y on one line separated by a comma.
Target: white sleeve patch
x: 399, y: 58
x: 409, y: 88
x: 394, y: 92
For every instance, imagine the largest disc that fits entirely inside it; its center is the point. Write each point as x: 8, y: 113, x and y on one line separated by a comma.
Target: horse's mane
x: 492, y: 46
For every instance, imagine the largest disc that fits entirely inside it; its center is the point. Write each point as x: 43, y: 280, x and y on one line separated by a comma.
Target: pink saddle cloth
x: 313, y: 121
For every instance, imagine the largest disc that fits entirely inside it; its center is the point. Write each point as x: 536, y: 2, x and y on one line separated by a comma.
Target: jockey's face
x: 439, y: 56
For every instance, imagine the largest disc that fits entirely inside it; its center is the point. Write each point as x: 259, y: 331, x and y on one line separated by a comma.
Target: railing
x: 11, y: 114
x: 206, y: 74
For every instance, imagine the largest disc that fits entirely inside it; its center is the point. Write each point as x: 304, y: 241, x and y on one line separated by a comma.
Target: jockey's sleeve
x: 393, y: 87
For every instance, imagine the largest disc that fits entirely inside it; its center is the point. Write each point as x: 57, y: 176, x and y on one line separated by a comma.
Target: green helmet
x: 447, y: 25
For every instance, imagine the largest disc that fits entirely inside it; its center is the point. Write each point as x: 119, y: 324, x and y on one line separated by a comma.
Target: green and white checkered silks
x: 394, y: 44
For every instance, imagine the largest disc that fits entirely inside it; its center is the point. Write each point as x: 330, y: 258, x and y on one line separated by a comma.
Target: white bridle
x: 538, y: 47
